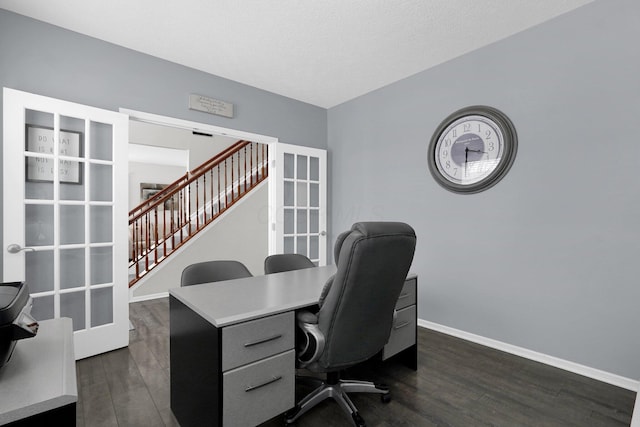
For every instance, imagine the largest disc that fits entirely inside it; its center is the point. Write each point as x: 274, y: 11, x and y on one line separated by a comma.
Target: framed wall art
x: 39, y: 140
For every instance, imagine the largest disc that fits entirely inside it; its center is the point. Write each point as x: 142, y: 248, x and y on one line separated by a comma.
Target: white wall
x: 201, y: 148
x: 150, y: 173
x: 240, y: 234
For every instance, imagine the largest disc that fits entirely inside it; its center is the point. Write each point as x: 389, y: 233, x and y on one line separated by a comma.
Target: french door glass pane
x: 302, y: 167
x: 289, y: 166
x: 301, y: 221
x: 39, y: 273
x: 314, y: 195
x: 314, y: 247
x: 302, y: 194
x: 289, y: 195
x: 301, y: 245
x: 101, y: 265
x: 314, y: 221
x: 101, y: 306
x: 42, y: 308
x: 71, y: 224
x: 71, y: 125
x: 72, y: 263
x: 101, y: 224
x: 289, y: 224
x: 289, y: 245
x: 73, y: 191
x: 36, y: 190
x: 72, y: 305
x: 38, y: 223
x: 314, y: 169
x: 101, y: 141
x: 101, y: 183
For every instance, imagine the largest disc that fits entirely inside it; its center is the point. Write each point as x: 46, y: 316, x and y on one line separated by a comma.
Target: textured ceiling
x: 323, y: 52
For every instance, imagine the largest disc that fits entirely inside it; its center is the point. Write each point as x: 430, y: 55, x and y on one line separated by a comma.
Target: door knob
x: 323, y: 233
x: 15, y: 248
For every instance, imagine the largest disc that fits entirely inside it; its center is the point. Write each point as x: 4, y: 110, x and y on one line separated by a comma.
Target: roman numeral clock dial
x: 472, y: 149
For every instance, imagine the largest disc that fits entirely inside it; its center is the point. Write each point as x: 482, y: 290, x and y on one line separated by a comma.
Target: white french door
x: 298, y: 199
x: 64, y: 227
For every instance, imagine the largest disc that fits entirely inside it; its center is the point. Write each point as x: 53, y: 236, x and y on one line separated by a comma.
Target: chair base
x: 337, y: 389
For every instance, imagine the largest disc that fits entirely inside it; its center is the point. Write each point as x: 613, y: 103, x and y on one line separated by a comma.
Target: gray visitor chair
x: 286, y: 262
x: 213, y: 271
x: 356, y: 312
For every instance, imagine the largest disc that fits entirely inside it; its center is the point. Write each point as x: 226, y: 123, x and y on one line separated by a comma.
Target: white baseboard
x: 576, y: 368
x: 148, y: 297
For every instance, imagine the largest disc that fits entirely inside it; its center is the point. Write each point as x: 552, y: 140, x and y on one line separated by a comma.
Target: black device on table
x: 16, y: 322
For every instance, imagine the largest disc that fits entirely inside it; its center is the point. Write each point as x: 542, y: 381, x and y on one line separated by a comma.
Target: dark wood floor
x: 457, y: 384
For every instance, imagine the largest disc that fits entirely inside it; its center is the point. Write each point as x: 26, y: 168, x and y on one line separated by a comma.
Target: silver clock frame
x: 510, y: 148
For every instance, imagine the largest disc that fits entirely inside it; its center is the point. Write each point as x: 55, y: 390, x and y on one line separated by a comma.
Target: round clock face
x: 472, y: 149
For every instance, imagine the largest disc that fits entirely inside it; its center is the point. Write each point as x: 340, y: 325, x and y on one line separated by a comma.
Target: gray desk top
x: 234, y: 301
x: 41, y: 374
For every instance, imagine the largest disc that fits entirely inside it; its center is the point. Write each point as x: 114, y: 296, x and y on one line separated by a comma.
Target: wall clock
x: 472, y: 149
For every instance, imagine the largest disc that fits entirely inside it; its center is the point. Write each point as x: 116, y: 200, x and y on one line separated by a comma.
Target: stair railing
x: 166, y: 221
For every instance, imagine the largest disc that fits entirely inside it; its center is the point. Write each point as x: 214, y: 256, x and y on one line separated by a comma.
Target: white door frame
x: 205, y: 128
x: 196, y: 126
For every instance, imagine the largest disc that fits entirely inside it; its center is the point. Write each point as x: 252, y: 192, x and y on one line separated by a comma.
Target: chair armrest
x: 307, y: 317
x: 311, y: 341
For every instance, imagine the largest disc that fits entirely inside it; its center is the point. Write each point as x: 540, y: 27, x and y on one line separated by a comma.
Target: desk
x: 232, y: 345
x: 38, y: 384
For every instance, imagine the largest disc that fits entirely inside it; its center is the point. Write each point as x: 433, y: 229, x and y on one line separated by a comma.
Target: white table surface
x: 239, y: 300
x: 41, y: 374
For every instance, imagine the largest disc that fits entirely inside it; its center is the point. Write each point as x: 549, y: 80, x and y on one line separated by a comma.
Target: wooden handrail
x: 170, y: 218
x: 163, y: 195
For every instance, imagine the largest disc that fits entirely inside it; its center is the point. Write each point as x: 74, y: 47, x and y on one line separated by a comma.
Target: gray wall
x: 547, y: 259
x: 47, y: 60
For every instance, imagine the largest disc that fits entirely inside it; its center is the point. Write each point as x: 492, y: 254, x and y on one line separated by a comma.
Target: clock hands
x: 466, y: 156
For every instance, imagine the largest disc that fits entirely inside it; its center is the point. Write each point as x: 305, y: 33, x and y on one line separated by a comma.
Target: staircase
x: 162, y: 224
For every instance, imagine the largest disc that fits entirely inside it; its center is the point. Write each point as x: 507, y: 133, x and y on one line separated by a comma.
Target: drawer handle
x: 404, y: 295
x: 255, y: 387
x: 401, y: 325
x: 263, y: 340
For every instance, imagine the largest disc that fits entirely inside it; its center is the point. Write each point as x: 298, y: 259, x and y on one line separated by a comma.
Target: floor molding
x: 149, y: 297
x: 576, y: 368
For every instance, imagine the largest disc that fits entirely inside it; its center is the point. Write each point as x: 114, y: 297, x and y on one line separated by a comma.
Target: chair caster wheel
x: 385, y: 398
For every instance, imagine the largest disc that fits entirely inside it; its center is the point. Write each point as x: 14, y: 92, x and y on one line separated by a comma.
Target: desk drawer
x: 403, y: 332
x: 408, y: 294
x: 257, y: 392
x: 254, y: 340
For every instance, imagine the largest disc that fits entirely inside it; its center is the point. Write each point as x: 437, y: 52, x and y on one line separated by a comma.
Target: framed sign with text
x: 39, y: 140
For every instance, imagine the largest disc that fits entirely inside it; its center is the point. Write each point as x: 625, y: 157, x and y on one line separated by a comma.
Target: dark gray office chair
x: 356, y: 311
x: 213, y: 271
x: 286, y: 262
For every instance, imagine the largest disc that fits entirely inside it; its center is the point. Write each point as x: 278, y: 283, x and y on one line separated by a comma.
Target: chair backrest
x: 356, y: 315
x: 286, y: 262
x: 213, y: 271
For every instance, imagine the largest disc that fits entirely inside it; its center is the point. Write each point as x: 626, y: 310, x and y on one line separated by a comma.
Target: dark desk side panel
x: 62, y: 416
x: 195, y: 366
